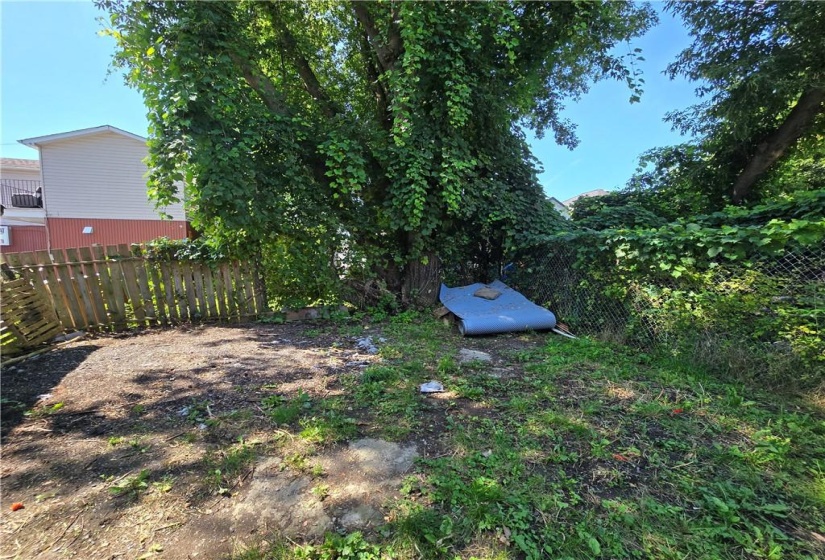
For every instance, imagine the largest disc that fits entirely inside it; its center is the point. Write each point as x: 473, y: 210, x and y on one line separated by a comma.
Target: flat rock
x: 466, y: 355
x: 361, y: 477
x: 379, y: 458
x: 279, y: 500
x: 361, y: 516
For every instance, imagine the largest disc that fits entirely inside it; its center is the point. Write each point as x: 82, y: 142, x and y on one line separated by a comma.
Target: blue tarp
x: 509, y: 312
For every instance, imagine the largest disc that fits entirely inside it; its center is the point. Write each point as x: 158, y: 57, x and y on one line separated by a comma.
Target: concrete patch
x: 466, y: 355
x: 360, y: 517
x: 381, y: 459
x: 282, y: 501
x: 361, y: 478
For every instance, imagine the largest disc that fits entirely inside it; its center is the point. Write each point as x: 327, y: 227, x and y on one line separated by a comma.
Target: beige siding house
x: 97, y: 173
x: 94, y: 192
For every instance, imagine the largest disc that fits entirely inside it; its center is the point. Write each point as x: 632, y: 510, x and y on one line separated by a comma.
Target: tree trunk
x: 421, y: 282
x: 768, y: 152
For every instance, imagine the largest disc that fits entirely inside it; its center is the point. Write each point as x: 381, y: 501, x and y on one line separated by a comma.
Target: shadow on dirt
x: 141, y: 403
x: 24, y: 383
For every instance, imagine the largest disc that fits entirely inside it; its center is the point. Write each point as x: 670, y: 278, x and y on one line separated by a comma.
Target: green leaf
x: 594, y: 545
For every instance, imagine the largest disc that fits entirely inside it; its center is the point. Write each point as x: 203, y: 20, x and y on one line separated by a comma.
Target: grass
x: 285, y: 411
x: 225, y: 467
x: 588, y: 451
x: 132, y: 486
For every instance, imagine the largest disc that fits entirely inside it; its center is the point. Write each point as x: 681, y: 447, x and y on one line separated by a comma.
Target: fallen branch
x: 11, y: 361
x: 64, y: 530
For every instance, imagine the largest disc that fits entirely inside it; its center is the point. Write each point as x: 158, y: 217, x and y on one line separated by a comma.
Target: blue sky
x: 55, y: 78
x: 612, y: 132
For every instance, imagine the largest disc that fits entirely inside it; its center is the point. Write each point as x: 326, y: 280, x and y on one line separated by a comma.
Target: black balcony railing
x: 20, y: 193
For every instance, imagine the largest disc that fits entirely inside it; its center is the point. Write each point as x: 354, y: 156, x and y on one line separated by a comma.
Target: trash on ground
x: 487, y: 293
x: 432, y: 387
x: 367, y: 345
x: 510, y: 312
x: 564, y: 332
x: 17, y: 505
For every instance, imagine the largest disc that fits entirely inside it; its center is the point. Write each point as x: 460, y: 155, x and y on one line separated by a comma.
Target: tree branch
x: 768, y: 152
x: 261, y: 84
x: 387, y: 53
x: 378, y: 89
x: 308, y: 77
x: 289, y: 47
x: 266, y: 90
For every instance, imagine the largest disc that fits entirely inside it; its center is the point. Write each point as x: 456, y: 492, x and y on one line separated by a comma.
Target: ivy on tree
x: 384, y: 136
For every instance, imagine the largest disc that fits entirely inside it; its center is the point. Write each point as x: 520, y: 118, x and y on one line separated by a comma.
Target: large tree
x: 762, y: 70
x: 389, y: 132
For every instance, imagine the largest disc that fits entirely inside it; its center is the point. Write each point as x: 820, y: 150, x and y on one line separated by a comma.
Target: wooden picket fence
x: 117, y: 287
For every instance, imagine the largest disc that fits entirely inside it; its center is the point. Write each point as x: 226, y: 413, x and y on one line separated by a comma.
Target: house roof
x: 40, y: 140
x: 16, y: 163
x: 595, y: 192
x: 555, y: 200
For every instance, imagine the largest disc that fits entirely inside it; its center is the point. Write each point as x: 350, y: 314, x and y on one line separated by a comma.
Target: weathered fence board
x: 94, y: 286
x: 116, y: 277
x: 153, y: 270
x: 226, y: 272
x: 145, y: 293
x: 116, y: 287
x: 27, y: 317
x: 107, y: 290
x: 220, y: 291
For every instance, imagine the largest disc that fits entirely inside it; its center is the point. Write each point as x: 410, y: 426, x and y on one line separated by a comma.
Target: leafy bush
x: 737, y: 291
x: 201, y: 250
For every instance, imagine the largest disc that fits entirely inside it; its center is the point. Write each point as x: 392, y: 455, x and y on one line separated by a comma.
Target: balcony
x: 19, y: 193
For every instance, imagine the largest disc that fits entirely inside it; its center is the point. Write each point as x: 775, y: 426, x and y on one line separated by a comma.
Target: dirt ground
x: 110, y: 444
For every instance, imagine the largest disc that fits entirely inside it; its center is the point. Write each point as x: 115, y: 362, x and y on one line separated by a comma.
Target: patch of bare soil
x: 113, y: 457
x: 123, y: 446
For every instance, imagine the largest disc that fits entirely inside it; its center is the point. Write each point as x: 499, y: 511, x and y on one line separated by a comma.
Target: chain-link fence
x: 595, y: 306
x: 775, y: 304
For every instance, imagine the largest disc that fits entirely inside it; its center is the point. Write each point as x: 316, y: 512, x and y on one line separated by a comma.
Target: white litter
x: 432, y: 387
x: 367, y: 345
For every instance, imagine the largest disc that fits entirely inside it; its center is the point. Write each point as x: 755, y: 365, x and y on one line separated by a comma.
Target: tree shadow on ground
x: 24, y: 383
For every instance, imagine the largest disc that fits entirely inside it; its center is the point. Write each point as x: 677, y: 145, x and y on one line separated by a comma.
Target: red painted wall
x: 26, y: 238
x: 68, y: 232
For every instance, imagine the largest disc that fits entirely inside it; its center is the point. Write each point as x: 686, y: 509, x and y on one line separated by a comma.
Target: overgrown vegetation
x: 669, y: 259
x: 585, y: 450
x: 362, y: 152
x: 731, y: 290
x: 362, y: 139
